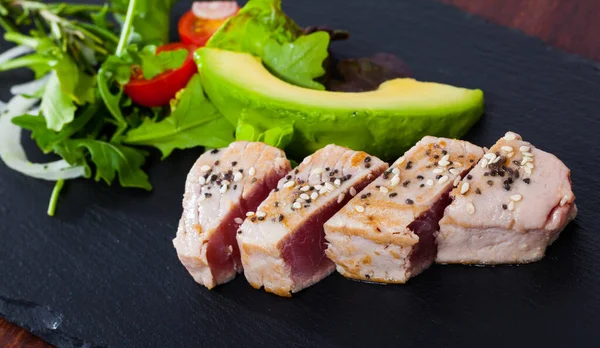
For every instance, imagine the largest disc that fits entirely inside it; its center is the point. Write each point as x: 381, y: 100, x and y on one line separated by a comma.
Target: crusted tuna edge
x: 364, y: 253
x: 264, y: 263
x: 508, y: 241
x: 194, y: 258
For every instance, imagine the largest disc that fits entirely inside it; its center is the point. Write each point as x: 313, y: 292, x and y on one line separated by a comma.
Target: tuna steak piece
x: 386, y: 233
x: 509, y: 208
x: 222, y: 186
x: 283, y: 243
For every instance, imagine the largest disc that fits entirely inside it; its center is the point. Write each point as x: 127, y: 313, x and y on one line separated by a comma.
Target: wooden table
x: 571, y: 25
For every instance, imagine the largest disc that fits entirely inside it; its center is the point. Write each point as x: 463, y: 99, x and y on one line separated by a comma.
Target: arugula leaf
x: 194, y: 122
x: 250, y: 129
x: 110, y: 160
x: 46, y: 138
x: 153, y: 64
x: 299, y: 62
x: 39, y: 64
x: 57, y: 106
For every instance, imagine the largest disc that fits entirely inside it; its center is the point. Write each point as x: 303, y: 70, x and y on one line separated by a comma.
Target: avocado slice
x: 384, y: 122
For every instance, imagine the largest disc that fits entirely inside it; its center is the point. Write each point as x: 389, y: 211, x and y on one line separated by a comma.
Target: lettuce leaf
x: 262, y: 29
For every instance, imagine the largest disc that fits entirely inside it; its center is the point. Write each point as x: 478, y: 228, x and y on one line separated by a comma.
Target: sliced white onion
x: 29, y: 88
x: 214, y: 9
x: 14, y: 53
x: 13, y: 154
x: 2, y: 106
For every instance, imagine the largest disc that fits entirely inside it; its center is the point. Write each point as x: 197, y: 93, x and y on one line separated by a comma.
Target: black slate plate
x: 104, y: 272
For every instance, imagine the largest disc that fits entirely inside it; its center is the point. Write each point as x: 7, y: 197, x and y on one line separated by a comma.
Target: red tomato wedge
x: 205, y: 18
x: 161, y: 89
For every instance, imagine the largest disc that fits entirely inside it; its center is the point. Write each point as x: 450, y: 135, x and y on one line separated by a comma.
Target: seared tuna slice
x: 509, y: 208
x: 386, y: 233
x: 222, y: 186
x: 283, y: 243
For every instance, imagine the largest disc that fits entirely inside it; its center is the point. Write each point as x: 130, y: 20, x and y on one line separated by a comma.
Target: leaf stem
x: 54, y: 198
x: 127, y: 28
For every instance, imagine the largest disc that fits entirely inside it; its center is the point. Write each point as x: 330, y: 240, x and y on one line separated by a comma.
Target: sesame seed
x: 205, y: 168
x: 443, y: 179
x: 296, y: 205
x: 238, y: 176
x: 406, y: 183
x: 437, y: 171
x: 530, y: 165
x: 409, y: 201
x: 478, y: 191
x: 511, y: 206
x: 470, y: 208
x: 201, y: 198
x: 359, y: 208
x: 525, y: 160
x: 223, y: 188
x: 307, y: 159
x: 314, y: 196
x: 304, y: 196
x: 261, y: 214
x: 238, y: 221
x: 337, y: 182
x: 527, y: 154
x: 305, y: 188
x: 202, y: 180
x: 456, y: 181
x: 384, y: 189
x: 527, y: 181
x: 445, y: 158
x: 527, y: 170
x: 420, y: 177
x: 395, y: 180
x: 368, y: 159
x: 454, y: 171
x: 318, y: 187
x: 323, y: 191
x: 318, y: 171
x: 496, y: 160
x: 510, y: 155
x: 563, y: 201
x: 409, y: 165
x: 400, y: 161
x: 504, y: 206
x: 490, y: 156
x: 252, y: 171
x: 393, y: 194
x: 396, y: 171
x: 352, y: 191
x: 506, y: 148
x: 510, y: 136
x: 288, y: 184
x: 329, y: 187
x: 249, y: 214
x: 429, y: 182
x: 484, y: 163
x: 516, y: 197
x: 443, y: 163
x: 464, y: 188
x: 341, y: 197
x: 214, y: 151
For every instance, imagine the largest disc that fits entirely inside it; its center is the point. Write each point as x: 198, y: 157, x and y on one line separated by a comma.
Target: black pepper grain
x: 289, y: 177
x: 276, y: 204
x: 363, y: 197
x: 444, y: 152
x: 438, y: 176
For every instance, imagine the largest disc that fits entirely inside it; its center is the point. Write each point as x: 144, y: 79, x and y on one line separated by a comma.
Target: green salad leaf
x: 153, y: 64
x: 193, y: 122
x: 252, y: 127
x: 262, y: 29
x: 109, y: 160
x: 151, y: 19
x: 57, y: 106
x: 299, y: 62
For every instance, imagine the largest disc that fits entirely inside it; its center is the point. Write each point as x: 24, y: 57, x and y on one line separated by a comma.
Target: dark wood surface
x: 571, y: 25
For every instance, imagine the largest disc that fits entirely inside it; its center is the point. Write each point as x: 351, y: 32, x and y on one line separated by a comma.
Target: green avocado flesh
x: 384, y: 122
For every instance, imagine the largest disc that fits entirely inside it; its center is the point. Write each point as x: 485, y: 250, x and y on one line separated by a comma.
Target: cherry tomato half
x: 196, y: 31
x: 161, y: 89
